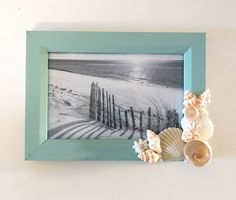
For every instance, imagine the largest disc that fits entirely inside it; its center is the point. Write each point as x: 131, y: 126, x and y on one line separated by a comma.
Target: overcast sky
x: 147, y: 57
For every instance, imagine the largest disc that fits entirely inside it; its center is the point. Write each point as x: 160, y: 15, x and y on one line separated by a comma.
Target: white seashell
x: 198, y: 152
x: 204, y: 128
x: 140, y: 146
x: 189, y: 98
x: 172, y: 144
x: 205, y: 98
x: 149, y: 156
x: 187, y: 124
x: 191, y: 113
x: 153, y: 141
x: 188, y: 135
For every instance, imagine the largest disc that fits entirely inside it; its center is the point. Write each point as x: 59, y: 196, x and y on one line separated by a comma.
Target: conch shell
x: 149, y: 156
x: 140, y: 146
x: 198, y: 152
x: 153, y: 141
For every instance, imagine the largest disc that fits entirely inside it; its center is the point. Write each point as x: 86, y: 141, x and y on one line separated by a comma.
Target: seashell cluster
x: 167, y: 145
x: 174, y: 144
x: 149, y: 150
x: 197, y: 128
x: 196, y: 122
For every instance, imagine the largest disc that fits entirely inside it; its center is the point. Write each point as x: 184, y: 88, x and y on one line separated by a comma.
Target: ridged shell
x: 198, y: 152
x: 203, y: 127
x: 172, y: 144
x: 153, y: 141
x: 149, y: 156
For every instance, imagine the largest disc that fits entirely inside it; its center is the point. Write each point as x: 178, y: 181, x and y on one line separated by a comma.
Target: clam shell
x: 149, y: 156
x: 153, y: 141
x: 205, y: 128
x: 198, y: 152
x: 172, y: 144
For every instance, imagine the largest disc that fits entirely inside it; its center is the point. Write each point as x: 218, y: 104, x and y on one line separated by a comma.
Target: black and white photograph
x: 113, y: 96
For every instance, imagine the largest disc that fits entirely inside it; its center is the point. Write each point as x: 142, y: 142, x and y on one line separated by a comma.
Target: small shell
x: 189, y: 135
x: 172, y: 144
x: 191, y: 113
x: 149, y: 156
x: 189, y: 98
x: 198, y: 152
x: 153, y: 141
x: 205, y: 98
x: 140, y: 146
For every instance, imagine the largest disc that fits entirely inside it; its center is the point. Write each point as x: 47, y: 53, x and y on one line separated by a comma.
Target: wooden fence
x: 103, y: 108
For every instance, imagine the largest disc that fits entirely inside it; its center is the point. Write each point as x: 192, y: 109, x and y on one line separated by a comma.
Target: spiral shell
x: 153, y: 141
x: 198, y: 152
x: 172, y: 144
x: 149, y: 156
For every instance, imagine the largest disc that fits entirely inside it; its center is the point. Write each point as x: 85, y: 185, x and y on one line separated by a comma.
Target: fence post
x: 99, y: 104
x: 120, y: 119
x: 158, y: 123
x: 107, y: 109
x: 92, y: 105
x: 177, y: 119
x: 149, y: 118
x: 114, y: 111
x: 110, y: 120
x: 126, y: 119
x: 141, y: 121
x: 132, y: 116
x: 103, y: 106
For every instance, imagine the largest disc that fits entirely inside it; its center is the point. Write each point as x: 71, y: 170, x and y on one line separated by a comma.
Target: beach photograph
x: 113, y: 96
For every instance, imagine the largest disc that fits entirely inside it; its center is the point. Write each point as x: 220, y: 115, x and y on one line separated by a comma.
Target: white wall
x: 26, y: 180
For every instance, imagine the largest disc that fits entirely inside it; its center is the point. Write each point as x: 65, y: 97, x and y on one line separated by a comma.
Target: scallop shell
x: 205, y: 128
x: 172, y: 144
x: 198, y: 152
x: 153, y: 141
x: 149, y: 156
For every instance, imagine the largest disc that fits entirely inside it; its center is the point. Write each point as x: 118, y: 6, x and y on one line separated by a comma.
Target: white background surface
x: 26, y: 180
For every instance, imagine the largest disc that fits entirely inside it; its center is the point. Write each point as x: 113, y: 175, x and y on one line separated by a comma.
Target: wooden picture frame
x: 40, y: 43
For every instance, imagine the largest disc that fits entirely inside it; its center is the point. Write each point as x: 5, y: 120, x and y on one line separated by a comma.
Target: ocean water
x: 168, y: 73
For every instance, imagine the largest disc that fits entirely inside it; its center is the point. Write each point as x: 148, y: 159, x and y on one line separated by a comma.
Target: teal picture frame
x: 40, y: 43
